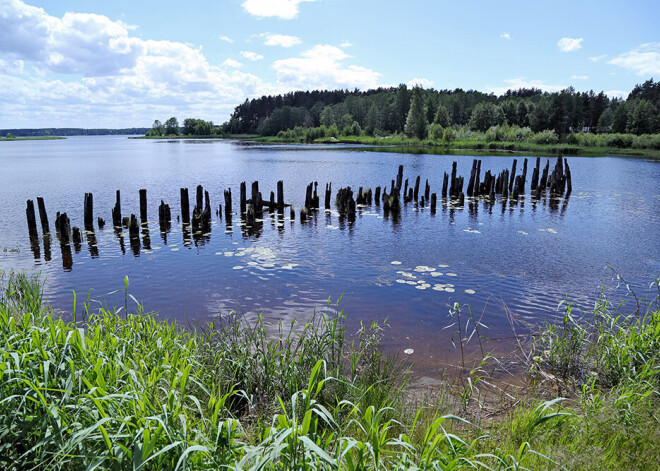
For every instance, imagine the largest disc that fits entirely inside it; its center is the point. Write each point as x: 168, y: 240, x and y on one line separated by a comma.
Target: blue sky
x: 75, y: 63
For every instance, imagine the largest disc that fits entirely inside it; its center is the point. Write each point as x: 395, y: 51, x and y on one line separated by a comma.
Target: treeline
x: 191, y: 127
x: 45, y: 132
x: 415, y: 112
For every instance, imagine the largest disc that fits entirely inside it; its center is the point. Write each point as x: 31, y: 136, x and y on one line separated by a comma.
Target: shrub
x: 547, y: 137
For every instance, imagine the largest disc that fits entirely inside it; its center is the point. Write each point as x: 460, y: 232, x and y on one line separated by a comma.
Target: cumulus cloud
x: 123, y: 77
x: 322, y: 67
x: 570, y: 44
x: 516, y: 83
x: 643, y: 60
x: 420, y: 82
x: 616, y: 94
x: 281, y: 40
x: 580, y: 77
x: 284, y: 9
x: 345, y: 44
x: 597, y: 58
x: 231, y: 63
x: 505, y: 36
x: 252, y: 56
x: 226, y: 39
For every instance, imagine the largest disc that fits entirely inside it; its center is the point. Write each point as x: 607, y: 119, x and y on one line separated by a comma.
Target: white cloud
x: 231, y: 63
x: 643, y: 60
x: 570, y: 44
x: 516, y: 83
x: 321, y: 67
x: 252, y: 56
x: 505, y: 36
x: 284, y: 9
x: 580, y: 77
x: 345, y: 44
x: 597, y: 58
x: 616, y: 94
x: 281, y: 40
x: 421, y: 82
x: 226, y: 39
x: 126, y: 80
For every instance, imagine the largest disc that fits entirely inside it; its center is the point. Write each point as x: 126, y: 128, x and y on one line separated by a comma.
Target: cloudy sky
x: 120, y: 63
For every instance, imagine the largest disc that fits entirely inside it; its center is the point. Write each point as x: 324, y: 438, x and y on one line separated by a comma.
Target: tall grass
x: 124, y: 390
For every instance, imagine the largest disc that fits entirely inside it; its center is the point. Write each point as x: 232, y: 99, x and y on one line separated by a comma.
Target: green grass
x: 439, y: 147
x: 120, y: 389
x: 34, y: 138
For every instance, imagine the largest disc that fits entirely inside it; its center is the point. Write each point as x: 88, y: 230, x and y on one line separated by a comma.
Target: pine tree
x: 416, y: 121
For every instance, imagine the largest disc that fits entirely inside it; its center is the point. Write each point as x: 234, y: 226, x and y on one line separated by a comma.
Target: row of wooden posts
x: 506, y: 184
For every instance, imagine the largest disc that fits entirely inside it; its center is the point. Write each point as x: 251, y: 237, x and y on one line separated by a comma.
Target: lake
x: 508, y: 262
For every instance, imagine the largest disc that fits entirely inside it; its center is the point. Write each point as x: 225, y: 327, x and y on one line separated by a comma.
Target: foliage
x: 416, y: 120
x: 172, y: 127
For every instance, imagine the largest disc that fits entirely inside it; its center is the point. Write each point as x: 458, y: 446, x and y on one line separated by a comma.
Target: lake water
x: 520, y: 259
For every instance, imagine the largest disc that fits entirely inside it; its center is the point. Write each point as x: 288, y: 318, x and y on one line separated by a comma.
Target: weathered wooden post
x: 101, y: 222
x: 315, y: 198
x: 143, y: 205
x: 445, y: 179
x: 228, y: 203
x: 292, y: 214
x: 257, y: 206
x: 523, y: 178
x: 513, y: 175
x: 416, y: 192
x: 199, y: 197
x: 271, y: 202
x: 427, y: 190
x: 243, y: 198
x: 452, y: 188
x: 88, y: 211
x: 569, y: 185
x: 43, y: 215
x: 280, y: 194
x: 470, y: 188
x: 535, y: 174
x: 185, y: 206
x: 134, y: 227
x: 434, y: 201
x: 377, y: 196
x: 328, y: 194
x: 399, y: 177
x: 116, y: 212
x: 31, y: 218
x: 461, y: 199
x: 477, y: 179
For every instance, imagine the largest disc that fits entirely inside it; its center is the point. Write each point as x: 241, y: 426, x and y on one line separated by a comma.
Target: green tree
x: 401, y: 105
x: 157, y: 129
x: 643, y: 118
x: 442, y: 117
x: 172, y: 127
x: 620, y: 120
x: 605, y: 121
x: 485, y: 115
x: 416, y: 122
x: 327, y: 117
x: 540, y: 117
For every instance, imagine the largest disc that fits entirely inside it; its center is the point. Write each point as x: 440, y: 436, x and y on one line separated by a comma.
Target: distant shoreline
x: 31, y: 138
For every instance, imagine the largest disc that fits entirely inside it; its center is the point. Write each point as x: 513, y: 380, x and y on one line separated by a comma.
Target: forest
x: 440, y: 114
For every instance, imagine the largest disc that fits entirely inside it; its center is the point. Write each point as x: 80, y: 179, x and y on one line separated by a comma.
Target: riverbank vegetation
x: 518, y: 120
x: 120, y: 389
x: 62, y: 132
x: 11, y: 137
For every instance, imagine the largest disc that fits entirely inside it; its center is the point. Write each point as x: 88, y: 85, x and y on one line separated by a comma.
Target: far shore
x: 31, y: 138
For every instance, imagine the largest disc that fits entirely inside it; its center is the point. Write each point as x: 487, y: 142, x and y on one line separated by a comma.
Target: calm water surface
x: 523, y: 259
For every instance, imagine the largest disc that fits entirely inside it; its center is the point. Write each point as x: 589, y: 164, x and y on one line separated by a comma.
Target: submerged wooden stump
x: 185, y: 206
x: 88, y: 211
x: 43, y: 215
x: 143, y: 205
x: 116, y: 212
x: 31, y: 218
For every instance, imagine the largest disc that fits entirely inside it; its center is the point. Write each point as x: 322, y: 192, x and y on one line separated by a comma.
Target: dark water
x: 523, y: 259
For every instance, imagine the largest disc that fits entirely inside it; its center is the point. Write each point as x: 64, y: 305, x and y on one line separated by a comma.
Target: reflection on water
x: 498, y: 254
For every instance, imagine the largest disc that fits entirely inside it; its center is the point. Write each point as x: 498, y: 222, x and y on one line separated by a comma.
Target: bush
x: 546, y: 137
x: 435, y: 132
x: 621, y: 141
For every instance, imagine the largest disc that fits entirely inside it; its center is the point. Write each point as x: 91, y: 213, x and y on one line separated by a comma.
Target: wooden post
x: 452, y: 189
x: 416, y: 193
x: 88, y: 211
x: 523, y: 178
x: 280, y: 194
x: 328, y: 194
x: 399, y: 177
x: 101, y: 222
x: 116, y: 212
x: 535, y: 174
x: 185, y: 206
x: 43, y: 215
x: 293, y: 214
x: 405, y: 191
x: 200, y: 197
x: 377, y: 196
x: 427, y: 190
x: 134, y: 227
x: 31, y: 218
x: 569, y: 185
x: 461, y: 199
x: 434, y: 201
x: 470, y: 188
x: 228, y: 203
x: 257, y: 206
x: 243, y: 198
x: 477, y: 178
x: 444, y: 185
x: 513, y: 175
x: 315, y: 198
x: 271, y: 203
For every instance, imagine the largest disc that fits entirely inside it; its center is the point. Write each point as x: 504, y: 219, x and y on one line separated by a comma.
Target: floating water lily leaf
x: 237, y: 267
x: 552, y: 231
x: 436, y: 273
x: 450, y: 290
x: 411, y: 283
x: 443, y: 266
x: 438, y: 288
x: 395, y: 262
x: 523, y: 233
x: 401, y: 281
x: 409, y: 351
x: 174, y: 249
x: 252, y: 264
x: 470, y: 291
x: 452, y: 274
